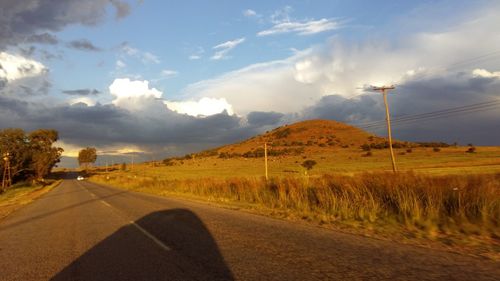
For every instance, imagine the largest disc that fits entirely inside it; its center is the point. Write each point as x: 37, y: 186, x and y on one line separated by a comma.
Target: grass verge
x: 454, y: 211
x: 21, y: 194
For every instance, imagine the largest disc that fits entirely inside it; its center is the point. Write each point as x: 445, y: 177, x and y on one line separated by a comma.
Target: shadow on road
x: 130, y: 254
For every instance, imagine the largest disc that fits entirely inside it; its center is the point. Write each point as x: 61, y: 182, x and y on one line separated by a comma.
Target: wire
x: 479, y: 107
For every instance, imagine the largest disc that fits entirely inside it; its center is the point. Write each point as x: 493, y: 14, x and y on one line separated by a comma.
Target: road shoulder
x: 14, y: 199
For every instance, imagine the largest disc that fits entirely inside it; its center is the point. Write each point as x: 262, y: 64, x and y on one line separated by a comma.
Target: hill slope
x: 297, y: 138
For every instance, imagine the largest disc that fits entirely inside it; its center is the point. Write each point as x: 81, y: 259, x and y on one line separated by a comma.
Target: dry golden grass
x: 433, y: 205
x: 21, y: 194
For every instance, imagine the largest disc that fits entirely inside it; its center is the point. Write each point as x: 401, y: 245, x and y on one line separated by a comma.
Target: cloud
x: 82, y: 101
x: 120, y: 64
x: 422, y: 95
x: 81, y: 92
x: 283, y: 23
x: 168, y: 73
x: 24, y: 18
x: 110, y: 127
x: 124, y: 88
x: 83, y: 45
x: 202, y: 107
x: 224, y: 48
x: 260, y: 118
x: 197, y: 54
x: 122, y: 8
x: 150, y: 58
x: 43, y: 38
x: 22, y: 77
x: 27, y: 52
x: 144, y: 57
x: 249, y: 13
x: 302, y: 27
x: 485, y: 73
x: 137, y: 97
x: 339, y: 67
x: 281, y: 15
x: 267, y: 86
x: 15, y: 67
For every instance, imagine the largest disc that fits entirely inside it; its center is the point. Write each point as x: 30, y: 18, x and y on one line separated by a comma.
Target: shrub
x: 366, y: 147
x: 168, y: 162
x: 471, y: 149
x: 282, y: 133
x: 308, y: 164
x: 409, y: 150
x: 436, y: 149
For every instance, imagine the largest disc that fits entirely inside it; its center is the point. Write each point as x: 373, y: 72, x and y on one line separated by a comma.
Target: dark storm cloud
x: 81, y: 92
x: 83, y: 45
x: 335, y: 107
x: 260, y: 118
x: 424, y: 95
x: 20, y: 20
x: 102, y: 125
x: 27, y: 52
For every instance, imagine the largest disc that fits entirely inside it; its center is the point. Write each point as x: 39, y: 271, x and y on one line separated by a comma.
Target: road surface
x: 84, y: 231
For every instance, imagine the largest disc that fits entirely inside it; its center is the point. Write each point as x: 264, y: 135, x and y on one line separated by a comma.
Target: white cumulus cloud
x: 15, y: 67
x: 135, y: 95
x: 485, y: 73
x: 203, y: 107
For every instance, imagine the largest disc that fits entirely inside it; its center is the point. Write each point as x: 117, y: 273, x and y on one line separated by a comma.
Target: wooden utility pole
x: 384, y: 90
x: 6, y: 179
x: 265, y: 159
x: 132, y: 166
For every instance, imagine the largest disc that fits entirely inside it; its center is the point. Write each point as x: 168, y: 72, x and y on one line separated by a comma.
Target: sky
x: 162, y: 78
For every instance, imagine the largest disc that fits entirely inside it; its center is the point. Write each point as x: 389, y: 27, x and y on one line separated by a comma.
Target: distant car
x: 80, y: 178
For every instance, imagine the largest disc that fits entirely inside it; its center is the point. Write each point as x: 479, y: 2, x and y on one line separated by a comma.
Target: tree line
x: 31, y: 155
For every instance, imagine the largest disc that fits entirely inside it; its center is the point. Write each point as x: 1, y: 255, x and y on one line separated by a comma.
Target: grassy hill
x: 306, y: 137
x: 336, y: 147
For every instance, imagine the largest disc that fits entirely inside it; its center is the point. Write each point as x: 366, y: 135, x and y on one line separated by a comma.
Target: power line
x: 433, y: 117
x: 473, y: 108
x: 450, y: 110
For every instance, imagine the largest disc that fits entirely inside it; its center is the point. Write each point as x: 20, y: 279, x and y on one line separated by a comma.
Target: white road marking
x: 145, y: 232
x: 156, y: 240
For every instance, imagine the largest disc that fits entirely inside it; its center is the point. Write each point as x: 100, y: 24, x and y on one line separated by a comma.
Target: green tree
x: 43, y: 156
x: 15, y: 142
x: 87, y: 156
x: 32, y: 155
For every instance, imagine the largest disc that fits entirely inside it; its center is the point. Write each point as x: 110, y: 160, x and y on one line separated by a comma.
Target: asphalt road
x: 84, y: 231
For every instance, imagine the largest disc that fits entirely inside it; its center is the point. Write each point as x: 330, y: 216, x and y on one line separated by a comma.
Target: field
x: 448, y: 161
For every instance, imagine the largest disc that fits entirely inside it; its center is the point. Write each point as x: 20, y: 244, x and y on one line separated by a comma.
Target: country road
x: 85, y: 231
